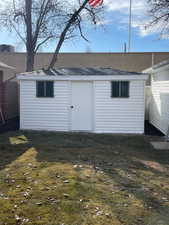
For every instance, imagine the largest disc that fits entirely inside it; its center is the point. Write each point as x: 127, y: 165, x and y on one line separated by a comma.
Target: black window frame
x: 44, y: 93
x: 120, y: 83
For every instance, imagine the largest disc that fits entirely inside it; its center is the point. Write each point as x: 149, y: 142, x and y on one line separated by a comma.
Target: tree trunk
x: 30, y: 61
x: 29, y: 36
x: 64, y: 32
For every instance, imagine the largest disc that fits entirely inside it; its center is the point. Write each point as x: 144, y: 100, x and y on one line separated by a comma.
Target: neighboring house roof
x: 163, y: 63
x: 87, y: 71
x: 5, y: 66
x: 157, y: 66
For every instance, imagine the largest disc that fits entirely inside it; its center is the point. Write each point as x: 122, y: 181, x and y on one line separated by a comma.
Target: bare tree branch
x: 159, y: 13
x: 64, y: 32
x: 40, y: 20
x: 37, y: 22
x: 19, y: 34
x: 81, y: 33
x: 80, y: 29
x: 93, y: 15
x: 43, y: 42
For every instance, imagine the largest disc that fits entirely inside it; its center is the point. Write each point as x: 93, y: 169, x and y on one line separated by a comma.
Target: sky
x: 111, y: 33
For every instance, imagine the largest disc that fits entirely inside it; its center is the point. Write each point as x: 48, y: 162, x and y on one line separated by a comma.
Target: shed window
x: 45, y: 89
x: 120, y: 89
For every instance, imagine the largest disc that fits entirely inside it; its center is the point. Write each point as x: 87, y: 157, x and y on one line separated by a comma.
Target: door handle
x: 71, y: 106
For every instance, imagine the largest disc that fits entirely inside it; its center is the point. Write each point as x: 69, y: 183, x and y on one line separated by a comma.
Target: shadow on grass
x: 122, y: 159
x: 10, y: 153
x: 128, y: 161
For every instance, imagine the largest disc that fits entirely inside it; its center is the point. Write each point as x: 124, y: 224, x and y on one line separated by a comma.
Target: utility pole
x: 125, y: 47
x: 129, y: 38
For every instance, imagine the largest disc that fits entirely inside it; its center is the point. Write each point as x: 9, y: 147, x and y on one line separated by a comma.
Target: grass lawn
x: 82, y: 179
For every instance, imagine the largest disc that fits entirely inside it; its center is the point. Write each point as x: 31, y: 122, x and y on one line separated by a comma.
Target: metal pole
x: 129, y: 41
x: 125, y: 47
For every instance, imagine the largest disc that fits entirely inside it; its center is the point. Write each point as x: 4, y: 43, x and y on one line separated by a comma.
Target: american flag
x: 95, y: 3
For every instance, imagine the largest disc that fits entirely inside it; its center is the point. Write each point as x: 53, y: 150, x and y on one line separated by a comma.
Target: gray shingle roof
x: 87, y: 71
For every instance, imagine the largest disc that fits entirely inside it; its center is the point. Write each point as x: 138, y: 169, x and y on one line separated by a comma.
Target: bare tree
x: 159, y: 13
x: 75, y: 20
x: 37, y: 22
x: 29, y: 36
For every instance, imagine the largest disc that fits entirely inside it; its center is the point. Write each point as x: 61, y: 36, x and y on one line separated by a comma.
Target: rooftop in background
x: 157, y: 66
x: 133, y: 61
x: 122, y: 61
x: 163, y: 63
x: 5, y: 66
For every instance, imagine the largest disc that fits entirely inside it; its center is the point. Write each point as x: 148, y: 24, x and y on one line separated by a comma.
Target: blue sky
x: 113, y: 34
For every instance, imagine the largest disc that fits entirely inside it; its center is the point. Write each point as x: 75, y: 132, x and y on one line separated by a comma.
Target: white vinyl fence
x: 159, y: 106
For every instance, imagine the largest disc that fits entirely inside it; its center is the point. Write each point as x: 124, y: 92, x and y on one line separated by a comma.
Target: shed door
x: 81, y: 106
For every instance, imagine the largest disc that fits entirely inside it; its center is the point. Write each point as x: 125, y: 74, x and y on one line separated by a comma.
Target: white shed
x: 159, y: 96
x: 99, y: 100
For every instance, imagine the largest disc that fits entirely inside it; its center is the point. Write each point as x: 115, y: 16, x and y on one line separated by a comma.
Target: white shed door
x: 81, y: 106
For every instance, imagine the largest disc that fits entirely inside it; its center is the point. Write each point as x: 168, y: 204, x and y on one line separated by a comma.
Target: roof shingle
x: 84, y: 71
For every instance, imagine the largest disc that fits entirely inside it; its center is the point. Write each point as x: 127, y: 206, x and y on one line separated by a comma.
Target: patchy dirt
x: 154, y: 165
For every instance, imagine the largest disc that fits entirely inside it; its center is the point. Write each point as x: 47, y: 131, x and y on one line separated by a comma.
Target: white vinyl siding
x: 109, y: 115
x: 44, y: 113
x: 159, y: 106
x: 119, y: 115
